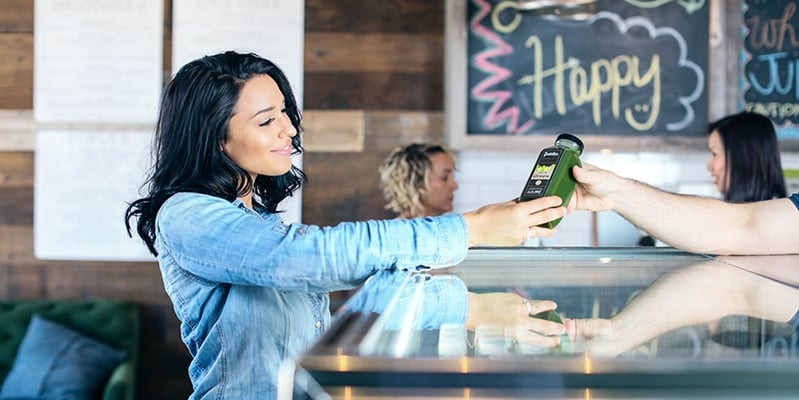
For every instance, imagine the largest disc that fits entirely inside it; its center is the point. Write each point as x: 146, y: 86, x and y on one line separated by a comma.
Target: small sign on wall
x: 97, y: 83
x: 769, y: 62
x: 97, y: 61
x: 82, y: 193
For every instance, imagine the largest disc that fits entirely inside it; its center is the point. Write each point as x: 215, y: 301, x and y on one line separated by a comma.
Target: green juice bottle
x: 551, y: 175
x: 566, y: 346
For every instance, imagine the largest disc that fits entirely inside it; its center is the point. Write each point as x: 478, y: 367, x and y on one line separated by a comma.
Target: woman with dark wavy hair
x: 250, y: 290
x: 745, y: 158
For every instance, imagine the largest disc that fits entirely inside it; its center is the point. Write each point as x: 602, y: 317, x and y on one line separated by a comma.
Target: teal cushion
x: 55, y: 362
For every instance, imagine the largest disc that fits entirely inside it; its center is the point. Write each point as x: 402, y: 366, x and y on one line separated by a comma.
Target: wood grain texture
x: 17, y: 206
x: 16, y: 170
x: 376, y: 52
x: 343, y: 187
x: 373, y: 91
x: 16, y: 16
x: 16, y: 192
x: 167, y: 45
x: 334, y: 131
x: 361, y: 16
x: 389, y: 129
x: 16, y: 244
x: 16, y: 48
x: 16, y: 70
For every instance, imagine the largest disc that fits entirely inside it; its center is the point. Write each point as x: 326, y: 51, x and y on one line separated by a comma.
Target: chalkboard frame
x: 455, y: 107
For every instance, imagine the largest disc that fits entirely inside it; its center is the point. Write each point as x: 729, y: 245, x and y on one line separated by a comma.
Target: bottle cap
x: 571, y: 138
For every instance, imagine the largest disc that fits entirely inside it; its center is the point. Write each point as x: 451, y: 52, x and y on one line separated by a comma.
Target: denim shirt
x: 251, y: 291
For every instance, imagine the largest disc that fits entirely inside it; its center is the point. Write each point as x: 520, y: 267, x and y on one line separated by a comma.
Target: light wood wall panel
x: 16, y: 16
x: 404, y: 16
x: 394, y: 128
x: 16, y: 70
x: 377, y: 52
x: 16, y: 48
x: 348, y: 90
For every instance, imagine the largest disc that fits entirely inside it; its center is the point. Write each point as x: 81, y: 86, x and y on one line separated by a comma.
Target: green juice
x: 551, y: 175
x: 566, y: 346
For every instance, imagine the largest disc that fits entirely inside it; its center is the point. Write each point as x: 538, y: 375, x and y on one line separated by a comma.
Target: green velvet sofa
x: 115, y: 323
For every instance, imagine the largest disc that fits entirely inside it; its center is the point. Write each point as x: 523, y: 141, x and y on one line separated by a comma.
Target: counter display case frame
x: 339, y: 366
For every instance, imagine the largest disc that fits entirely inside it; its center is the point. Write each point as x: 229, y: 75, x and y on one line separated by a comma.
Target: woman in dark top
x: 745, y: 158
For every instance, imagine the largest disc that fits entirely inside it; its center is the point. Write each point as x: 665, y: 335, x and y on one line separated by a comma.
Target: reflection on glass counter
x: 639, y: 322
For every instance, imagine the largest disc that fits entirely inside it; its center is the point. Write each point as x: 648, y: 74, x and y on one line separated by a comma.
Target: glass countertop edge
x: 508, y: 253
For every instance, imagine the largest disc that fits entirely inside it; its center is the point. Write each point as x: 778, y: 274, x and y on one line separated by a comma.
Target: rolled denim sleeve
x: 219, y: 241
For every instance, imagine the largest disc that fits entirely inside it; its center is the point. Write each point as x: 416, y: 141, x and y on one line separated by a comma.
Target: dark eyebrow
x: 265, y: 110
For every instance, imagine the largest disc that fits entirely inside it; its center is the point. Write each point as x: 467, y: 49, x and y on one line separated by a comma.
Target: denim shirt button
x: 318, y: 324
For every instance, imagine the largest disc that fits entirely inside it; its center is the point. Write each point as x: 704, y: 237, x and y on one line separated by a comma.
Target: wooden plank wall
x: 387, y: 59
x: 374, y: 64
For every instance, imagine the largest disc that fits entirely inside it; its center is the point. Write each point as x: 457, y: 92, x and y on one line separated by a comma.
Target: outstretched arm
x: 691, y: 223
x: 690, y: 295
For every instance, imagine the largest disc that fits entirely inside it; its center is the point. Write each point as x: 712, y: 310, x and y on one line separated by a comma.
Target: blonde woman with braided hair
x: 418, y: 180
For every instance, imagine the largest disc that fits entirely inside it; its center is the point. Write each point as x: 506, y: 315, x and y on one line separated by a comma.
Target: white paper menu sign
x: 97, y: 61
x: 84, y: 182
x: 273, y: 29
x: 98, y: 73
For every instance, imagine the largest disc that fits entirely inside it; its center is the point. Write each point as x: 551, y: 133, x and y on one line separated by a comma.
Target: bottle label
x: 542, y: 174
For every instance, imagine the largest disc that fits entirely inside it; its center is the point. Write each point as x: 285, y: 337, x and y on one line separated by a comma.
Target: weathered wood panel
x: 360, y: 16
x: 343, y: 187
x: 16, y: 245
x: 376, y: 52
x: 167, y: 41
x: 16, y: 170
x: 16, y: 196
x: 16, y: 16
x: 16, y: 70
x: 389, y: 129
x: 17, y: 206
x: 373, y: 91
x: 16, y: 48
x: 336, y: 131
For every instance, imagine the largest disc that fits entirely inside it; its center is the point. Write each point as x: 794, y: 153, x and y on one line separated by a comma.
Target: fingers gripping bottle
x: 551, y: 175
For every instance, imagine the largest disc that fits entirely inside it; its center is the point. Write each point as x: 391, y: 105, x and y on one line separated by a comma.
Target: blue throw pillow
x: 54, y: 362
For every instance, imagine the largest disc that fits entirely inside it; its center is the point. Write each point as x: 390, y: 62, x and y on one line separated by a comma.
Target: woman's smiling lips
x: 284, y: 151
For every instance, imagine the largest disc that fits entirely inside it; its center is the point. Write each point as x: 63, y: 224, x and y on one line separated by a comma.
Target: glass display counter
x: 674, y: 325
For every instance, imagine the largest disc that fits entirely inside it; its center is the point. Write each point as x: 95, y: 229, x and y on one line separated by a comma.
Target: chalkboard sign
x: 636, y: 68
x: 770, y: 62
